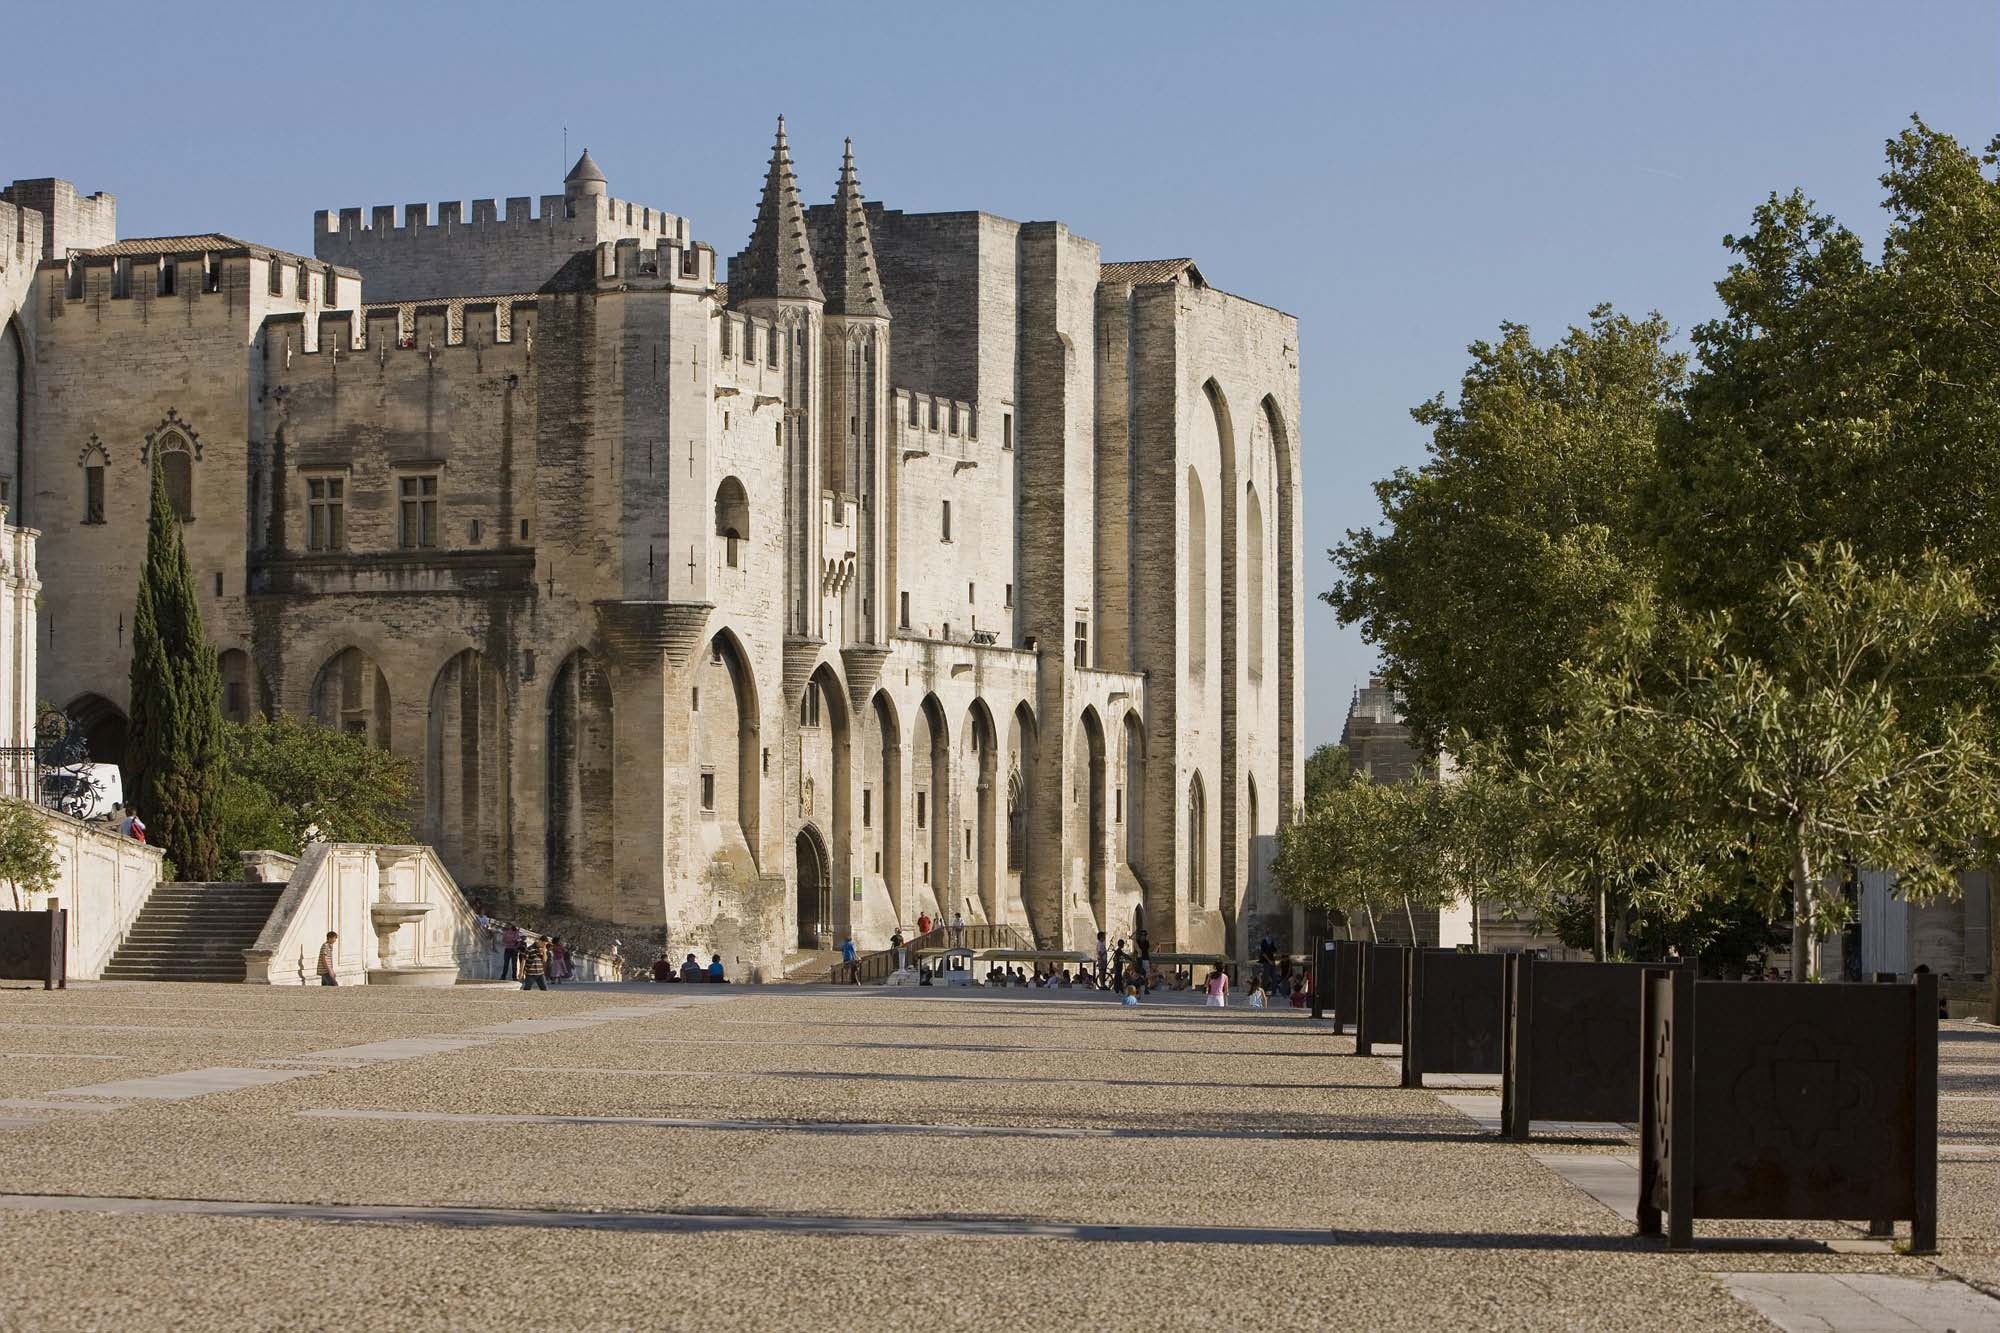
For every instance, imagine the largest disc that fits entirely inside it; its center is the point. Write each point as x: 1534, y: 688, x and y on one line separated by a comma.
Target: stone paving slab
x: 1864, y: 1302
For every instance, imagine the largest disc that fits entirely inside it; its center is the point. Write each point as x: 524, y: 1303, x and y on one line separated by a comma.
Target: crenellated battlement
x: 382, y: 226
x: 933, y: 424
x: 671, y: 263
x: 405, y: 253
x: 427, y: 327
x: 194, y: 269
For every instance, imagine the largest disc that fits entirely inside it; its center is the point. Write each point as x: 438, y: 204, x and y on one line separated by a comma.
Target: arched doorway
x: 103, y: 726
x: 815, y: 902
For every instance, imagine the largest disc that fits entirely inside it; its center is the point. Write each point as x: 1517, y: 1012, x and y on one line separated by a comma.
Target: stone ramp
x: 194, y: 932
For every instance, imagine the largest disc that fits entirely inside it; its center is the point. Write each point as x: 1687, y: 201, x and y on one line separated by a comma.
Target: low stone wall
x: 103, y: 880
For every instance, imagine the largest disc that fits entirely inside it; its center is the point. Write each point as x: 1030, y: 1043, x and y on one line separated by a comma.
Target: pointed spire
x: 778, y: 262
x: 847, y: 250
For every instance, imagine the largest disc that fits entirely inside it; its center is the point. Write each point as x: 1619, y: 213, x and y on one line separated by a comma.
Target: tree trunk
x: 1802, y: 911
x: 1472, y: 901
x: 1993, y: 943
x: 1410, y: 916
x: 1374, y: 936
x: 1603, y: 911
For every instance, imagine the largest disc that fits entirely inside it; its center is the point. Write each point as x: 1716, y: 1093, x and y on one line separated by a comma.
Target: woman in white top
x: 1218, y: 989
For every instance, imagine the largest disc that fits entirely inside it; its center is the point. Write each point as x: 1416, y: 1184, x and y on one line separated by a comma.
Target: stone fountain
x: 401, y: 956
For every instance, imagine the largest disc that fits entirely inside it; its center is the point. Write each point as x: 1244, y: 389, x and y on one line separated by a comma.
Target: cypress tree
x: 174, y: 754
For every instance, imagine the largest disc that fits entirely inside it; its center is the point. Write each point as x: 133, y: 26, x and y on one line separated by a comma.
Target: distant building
x: 1377, y: 739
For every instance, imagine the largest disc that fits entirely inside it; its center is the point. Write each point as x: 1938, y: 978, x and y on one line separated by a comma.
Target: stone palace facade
x: 920, y: 562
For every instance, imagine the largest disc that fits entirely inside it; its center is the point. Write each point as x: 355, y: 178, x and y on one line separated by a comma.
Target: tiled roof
x: 139, y: 246
x: 1141, y: 272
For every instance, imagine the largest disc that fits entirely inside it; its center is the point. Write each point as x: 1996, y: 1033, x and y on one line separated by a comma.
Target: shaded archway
x: 1284, y: 488
x: 1026, y: 862
x: 930, y: 781
x: 581, y: 788
x: 815, y: 897
x: 243, y: 695
x: 822, y: 768
x: 1089, y: 818
x: 1197, y: 844
x: 13, y: 420
x: 732, y: 520
x: 468, y: 809
x: 104, y: 727
x: 351, y: 694
x: 980, y: 774
x: 1128, y: 807
x: 728, y: 760
x: 1195, y: 575
x: 882, y: 808
x: 1253, y: 583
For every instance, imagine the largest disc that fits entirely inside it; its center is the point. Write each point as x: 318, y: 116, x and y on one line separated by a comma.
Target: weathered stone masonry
x: 927, y: 563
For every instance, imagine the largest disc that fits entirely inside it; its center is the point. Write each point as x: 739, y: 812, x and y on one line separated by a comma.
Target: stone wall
x: 103, y: 880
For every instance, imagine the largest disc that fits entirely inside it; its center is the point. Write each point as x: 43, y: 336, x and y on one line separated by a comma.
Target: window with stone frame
x: 417, y: 511
x: 708, y: 790
x: 175, y: 460
x: 93, y: 485
x: 326, y: 513
x: 809, y: 705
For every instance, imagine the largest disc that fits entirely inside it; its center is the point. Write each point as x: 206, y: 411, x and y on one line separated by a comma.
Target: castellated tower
x: 930, y: 566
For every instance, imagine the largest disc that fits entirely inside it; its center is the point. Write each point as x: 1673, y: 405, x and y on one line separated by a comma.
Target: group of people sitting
x: 689, y: 970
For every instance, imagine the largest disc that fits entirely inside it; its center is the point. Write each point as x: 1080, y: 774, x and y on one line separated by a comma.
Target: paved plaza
x: 623, y: 1156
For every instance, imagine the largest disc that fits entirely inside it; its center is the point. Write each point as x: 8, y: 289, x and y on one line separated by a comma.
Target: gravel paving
x: 1089, y: 1115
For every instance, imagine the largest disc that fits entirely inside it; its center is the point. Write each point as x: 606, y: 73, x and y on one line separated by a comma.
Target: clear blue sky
x: 1401, y: 177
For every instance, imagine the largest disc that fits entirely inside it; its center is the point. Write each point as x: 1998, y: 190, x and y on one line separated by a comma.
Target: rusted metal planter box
x: 1452, y: 1014
x: 1384, y: 974
x: 1344, y: 999
x: 1572, y: 1042
x: 34, y: 946
x: 1789, y: 1102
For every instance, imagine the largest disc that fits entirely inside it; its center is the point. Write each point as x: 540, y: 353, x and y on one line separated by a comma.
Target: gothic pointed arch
x: 580, y: 789
x: 468, y: 770
x: 350, y: 694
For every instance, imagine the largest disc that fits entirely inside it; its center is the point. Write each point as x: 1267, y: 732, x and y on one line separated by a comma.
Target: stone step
x: 194, y: 932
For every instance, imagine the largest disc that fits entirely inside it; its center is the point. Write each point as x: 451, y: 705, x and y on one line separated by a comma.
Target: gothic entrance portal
x: 815, y: 892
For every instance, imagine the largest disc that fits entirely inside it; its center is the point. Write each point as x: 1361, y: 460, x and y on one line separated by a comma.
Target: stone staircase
x: 194, y: 932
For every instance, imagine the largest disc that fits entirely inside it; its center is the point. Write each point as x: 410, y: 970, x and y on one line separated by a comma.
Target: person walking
x: 923, y: 924
x: 327, y: 961
x: 958, y: 930
x: 534, y: 967
x: 1218, y: 989
x: 510, y: 953
x: 1103, y: 958
x: 558, y: 961
x: 896, y: 943
x: 847, y: 961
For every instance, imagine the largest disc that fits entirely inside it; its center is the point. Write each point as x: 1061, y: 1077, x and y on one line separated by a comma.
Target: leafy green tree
x: 1328, y: 767
x: 1504, y: 551
x: 27, y: 851
x: 289, y: 783
x: 174, y: 757
x: 1798, y: 762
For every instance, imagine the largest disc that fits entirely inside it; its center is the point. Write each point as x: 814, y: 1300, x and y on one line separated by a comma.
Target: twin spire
x: 778, y: 262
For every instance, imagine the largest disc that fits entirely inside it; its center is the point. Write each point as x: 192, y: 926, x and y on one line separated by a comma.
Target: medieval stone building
x: 922, y: 562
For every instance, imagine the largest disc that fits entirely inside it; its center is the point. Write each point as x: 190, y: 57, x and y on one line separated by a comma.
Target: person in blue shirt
x: 715, y: 967
x: 847, y: 960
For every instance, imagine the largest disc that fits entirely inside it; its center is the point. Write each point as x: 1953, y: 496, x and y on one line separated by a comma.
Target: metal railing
x: 20, y: 773
x: 873, y: 968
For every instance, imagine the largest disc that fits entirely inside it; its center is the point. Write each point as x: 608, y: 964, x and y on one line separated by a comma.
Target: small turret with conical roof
x: 847, y: 251
x: 585, y: 179
x: 778, y: 262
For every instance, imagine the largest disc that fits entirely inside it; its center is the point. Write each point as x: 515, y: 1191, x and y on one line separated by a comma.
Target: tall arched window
x: 174, y: 456
x: 1197, y: 578
x: 1253, y: 582
x: 1197, y: 843
x: 732, y: 520
x: 94, y: 463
